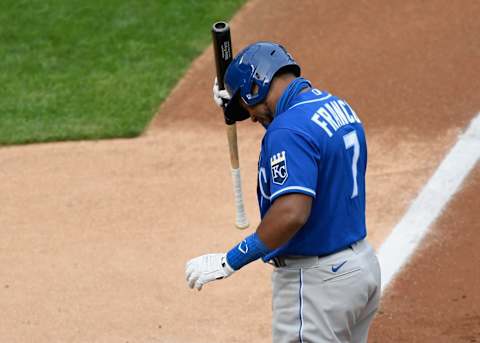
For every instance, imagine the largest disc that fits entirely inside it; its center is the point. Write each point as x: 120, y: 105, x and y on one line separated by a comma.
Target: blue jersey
x: 316, y: 147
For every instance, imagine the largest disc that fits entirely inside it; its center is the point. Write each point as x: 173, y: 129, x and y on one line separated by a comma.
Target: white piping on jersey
x: 262, y: 172
x: 300, y: 188
x: 309, y: 101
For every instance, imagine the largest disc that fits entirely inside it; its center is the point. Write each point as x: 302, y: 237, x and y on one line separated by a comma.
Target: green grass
x: 91, y: 69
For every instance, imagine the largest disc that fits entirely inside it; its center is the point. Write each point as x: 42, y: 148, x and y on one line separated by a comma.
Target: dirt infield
x: 95, y: 234
x: 437, y: 297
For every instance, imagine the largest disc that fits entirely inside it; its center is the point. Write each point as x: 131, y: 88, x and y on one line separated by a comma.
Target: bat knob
x: 220, y: 26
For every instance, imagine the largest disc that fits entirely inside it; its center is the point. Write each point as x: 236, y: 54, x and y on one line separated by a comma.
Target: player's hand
x: 221, y: 97
x: 203, y: 269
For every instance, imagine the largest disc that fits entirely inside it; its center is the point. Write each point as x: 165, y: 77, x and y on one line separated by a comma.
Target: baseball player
x: 311, y: 194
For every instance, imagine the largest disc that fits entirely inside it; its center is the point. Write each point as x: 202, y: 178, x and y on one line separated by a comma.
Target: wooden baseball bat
x: 222, y: 47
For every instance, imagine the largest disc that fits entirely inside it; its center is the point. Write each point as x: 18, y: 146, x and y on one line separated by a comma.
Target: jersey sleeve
x: 293, y: 162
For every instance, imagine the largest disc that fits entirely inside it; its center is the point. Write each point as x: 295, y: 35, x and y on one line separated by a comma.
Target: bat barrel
x: 222, y: 46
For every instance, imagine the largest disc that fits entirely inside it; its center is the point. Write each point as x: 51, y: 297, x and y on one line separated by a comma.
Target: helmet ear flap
x: 234, y: 111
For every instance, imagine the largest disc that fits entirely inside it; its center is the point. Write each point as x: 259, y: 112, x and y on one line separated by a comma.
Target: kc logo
x: 278, y: 163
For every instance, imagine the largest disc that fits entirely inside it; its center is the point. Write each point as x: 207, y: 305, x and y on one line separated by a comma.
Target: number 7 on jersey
x: 351, y: 140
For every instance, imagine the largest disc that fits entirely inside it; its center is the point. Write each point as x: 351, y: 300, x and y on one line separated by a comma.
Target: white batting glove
x: 203, y: 269
x: 221, y: 97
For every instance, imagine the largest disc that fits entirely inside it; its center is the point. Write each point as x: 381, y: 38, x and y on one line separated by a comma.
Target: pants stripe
x: 300, y: 296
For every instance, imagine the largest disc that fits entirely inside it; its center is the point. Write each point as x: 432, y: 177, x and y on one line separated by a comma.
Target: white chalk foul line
x: 446, y: 181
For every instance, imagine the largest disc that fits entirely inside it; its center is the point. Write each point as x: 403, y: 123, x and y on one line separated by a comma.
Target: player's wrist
x: 228, y: 270
x: 248, y: 250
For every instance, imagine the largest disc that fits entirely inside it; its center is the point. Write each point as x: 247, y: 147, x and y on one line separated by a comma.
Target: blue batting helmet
x: 255, y: 65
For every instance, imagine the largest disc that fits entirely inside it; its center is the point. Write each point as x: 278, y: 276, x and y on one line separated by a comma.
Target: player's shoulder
x: 314, y: 99
x: 289, y: 136
x: 300, y: 110
x: 321, y: 114
x: 296, y: 120
x: 289, y: 124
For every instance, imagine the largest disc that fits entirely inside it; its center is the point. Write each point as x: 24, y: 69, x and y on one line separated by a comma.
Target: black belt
x: 279, y: 261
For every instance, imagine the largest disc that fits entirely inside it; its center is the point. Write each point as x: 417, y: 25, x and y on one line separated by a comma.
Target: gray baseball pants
x: 326, y: 299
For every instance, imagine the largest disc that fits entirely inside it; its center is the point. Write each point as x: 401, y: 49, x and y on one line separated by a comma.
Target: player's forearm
x: 286, y: 216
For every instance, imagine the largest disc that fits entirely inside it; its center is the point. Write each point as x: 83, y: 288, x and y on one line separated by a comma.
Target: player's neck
x: 278, y: 86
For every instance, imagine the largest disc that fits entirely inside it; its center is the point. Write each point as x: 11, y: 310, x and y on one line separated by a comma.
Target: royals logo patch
x: 278, y: 163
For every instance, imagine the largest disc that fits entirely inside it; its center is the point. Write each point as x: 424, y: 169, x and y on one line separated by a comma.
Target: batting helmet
x: 257, y: 64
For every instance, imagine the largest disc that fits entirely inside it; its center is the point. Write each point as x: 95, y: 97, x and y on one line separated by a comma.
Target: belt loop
x: 356, y: 246
x: 278, y: 262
